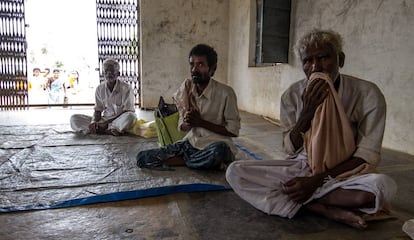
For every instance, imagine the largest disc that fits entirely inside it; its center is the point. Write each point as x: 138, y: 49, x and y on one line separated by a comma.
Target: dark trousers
x: 210, y: 157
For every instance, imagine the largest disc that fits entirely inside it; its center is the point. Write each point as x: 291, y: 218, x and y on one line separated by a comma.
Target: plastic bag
x: 143, y: 128
x: 167, y: 129
x: 166, y: 119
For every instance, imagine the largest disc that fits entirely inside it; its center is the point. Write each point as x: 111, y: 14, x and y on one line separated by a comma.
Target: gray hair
x: 112, y: 62
x: 317, y: 37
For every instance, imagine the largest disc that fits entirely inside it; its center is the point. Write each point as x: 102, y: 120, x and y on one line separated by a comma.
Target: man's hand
x: 93, y: 126
x: 314, y: 95
x: 97, y: 127
x: 192, y: 118
x: 300, y: 189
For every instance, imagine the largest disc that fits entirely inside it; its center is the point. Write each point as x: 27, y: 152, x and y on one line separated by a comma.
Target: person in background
x: 333, y: 125
x: 57, y: 88
x: 114, y: 106
x: 73, y: 79
x: 208, y: 111
x: 46, y: 76
x: 36, y: 86
x: 72, y: 86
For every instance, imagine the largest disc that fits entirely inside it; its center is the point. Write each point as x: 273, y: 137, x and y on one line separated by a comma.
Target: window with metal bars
x: 272, y: 36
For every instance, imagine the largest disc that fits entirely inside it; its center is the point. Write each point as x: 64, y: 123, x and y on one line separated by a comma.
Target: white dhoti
x: 80, y: 122
x: 259, y: 182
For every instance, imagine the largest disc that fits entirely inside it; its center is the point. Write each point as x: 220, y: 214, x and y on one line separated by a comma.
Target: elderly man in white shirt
x: 114, y: 106
x: 333, y: 125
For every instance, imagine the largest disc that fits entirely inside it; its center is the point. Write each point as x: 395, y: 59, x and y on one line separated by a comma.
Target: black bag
x: 166, y: 109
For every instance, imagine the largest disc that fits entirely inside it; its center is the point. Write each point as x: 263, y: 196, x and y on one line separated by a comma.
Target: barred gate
x: 118, y: 39
x: 13, y: 71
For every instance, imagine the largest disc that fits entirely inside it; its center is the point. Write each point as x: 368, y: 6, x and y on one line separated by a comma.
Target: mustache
x: 195, y: 74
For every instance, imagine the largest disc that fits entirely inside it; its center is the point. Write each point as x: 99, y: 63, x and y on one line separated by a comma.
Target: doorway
x: 61, y: 36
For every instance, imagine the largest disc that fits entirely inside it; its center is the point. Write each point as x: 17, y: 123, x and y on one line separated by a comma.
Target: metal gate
x: 13, y: 71
x: 118, y: 39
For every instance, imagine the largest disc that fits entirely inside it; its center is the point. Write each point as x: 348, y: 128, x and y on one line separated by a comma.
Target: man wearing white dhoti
x: 114, y: 111
x: 333, y: 125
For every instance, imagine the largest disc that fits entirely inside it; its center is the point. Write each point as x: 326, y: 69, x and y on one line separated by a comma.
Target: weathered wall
x: 379, y: 44
x: 169, y: 29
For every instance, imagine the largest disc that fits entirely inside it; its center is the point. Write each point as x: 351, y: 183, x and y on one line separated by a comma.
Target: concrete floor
x: 206, y: 215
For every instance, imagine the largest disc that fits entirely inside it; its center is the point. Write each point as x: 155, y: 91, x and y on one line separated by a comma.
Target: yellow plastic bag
x: 167, y: 129
x: 143, y: 128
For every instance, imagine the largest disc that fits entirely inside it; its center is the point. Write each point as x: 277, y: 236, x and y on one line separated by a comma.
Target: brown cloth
x: 330, y: 139
x: 184, y: 97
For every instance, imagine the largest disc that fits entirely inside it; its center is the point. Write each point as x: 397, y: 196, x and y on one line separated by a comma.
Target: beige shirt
x: 217, y: 104
x: 364, y: 105
x: 112, y: 103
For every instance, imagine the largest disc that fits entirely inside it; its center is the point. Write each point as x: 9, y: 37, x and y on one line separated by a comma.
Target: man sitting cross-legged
x: 333, y: 125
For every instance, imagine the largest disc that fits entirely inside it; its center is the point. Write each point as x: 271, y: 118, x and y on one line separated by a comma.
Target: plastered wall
x: 378, y: 36
x: 169, y: 29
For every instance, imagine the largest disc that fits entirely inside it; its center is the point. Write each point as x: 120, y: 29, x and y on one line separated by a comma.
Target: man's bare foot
x: 338, y: 214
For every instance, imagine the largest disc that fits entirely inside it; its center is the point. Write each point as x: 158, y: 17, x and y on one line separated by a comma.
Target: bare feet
x: 338, y: 214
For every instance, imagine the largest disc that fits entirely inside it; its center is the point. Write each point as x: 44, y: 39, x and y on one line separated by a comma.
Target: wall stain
x: 348, y: 6
x: 193, y: 29
x: 379, y: 5
x: 214, y: 22
x: 164, y: 23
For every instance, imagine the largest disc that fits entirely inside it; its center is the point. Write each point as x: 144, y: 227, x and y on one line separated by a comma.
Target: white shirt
x: 217, y: 104
x: 112, y: 103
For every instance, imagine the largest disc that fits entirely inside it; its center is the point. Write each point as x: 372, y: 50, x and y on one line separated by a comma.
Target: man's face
x: 321, y: 59
x: 36, y: 72
x: 110, y: 73
x: 200, y: 71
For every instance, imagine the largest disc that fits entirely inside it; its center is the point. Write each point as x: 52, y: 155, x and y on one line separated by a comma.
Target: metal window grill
x: 118, y: 39
x: 13, y: 71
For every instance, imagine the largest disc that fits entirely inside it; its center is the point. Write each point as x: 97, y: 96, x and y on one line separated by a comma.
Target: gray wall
x: 378, y: 36
x: 169, y: 29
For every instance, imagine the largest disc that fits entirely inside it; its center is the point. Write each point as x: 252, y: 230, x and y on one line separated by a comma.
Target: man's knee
x: 149, y: 158
x: 386, y: 186
x: 223, y: 152
x: 231, y: 173
x: 365, y: 199
x: 129, y: 115
x: 222, y: 145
